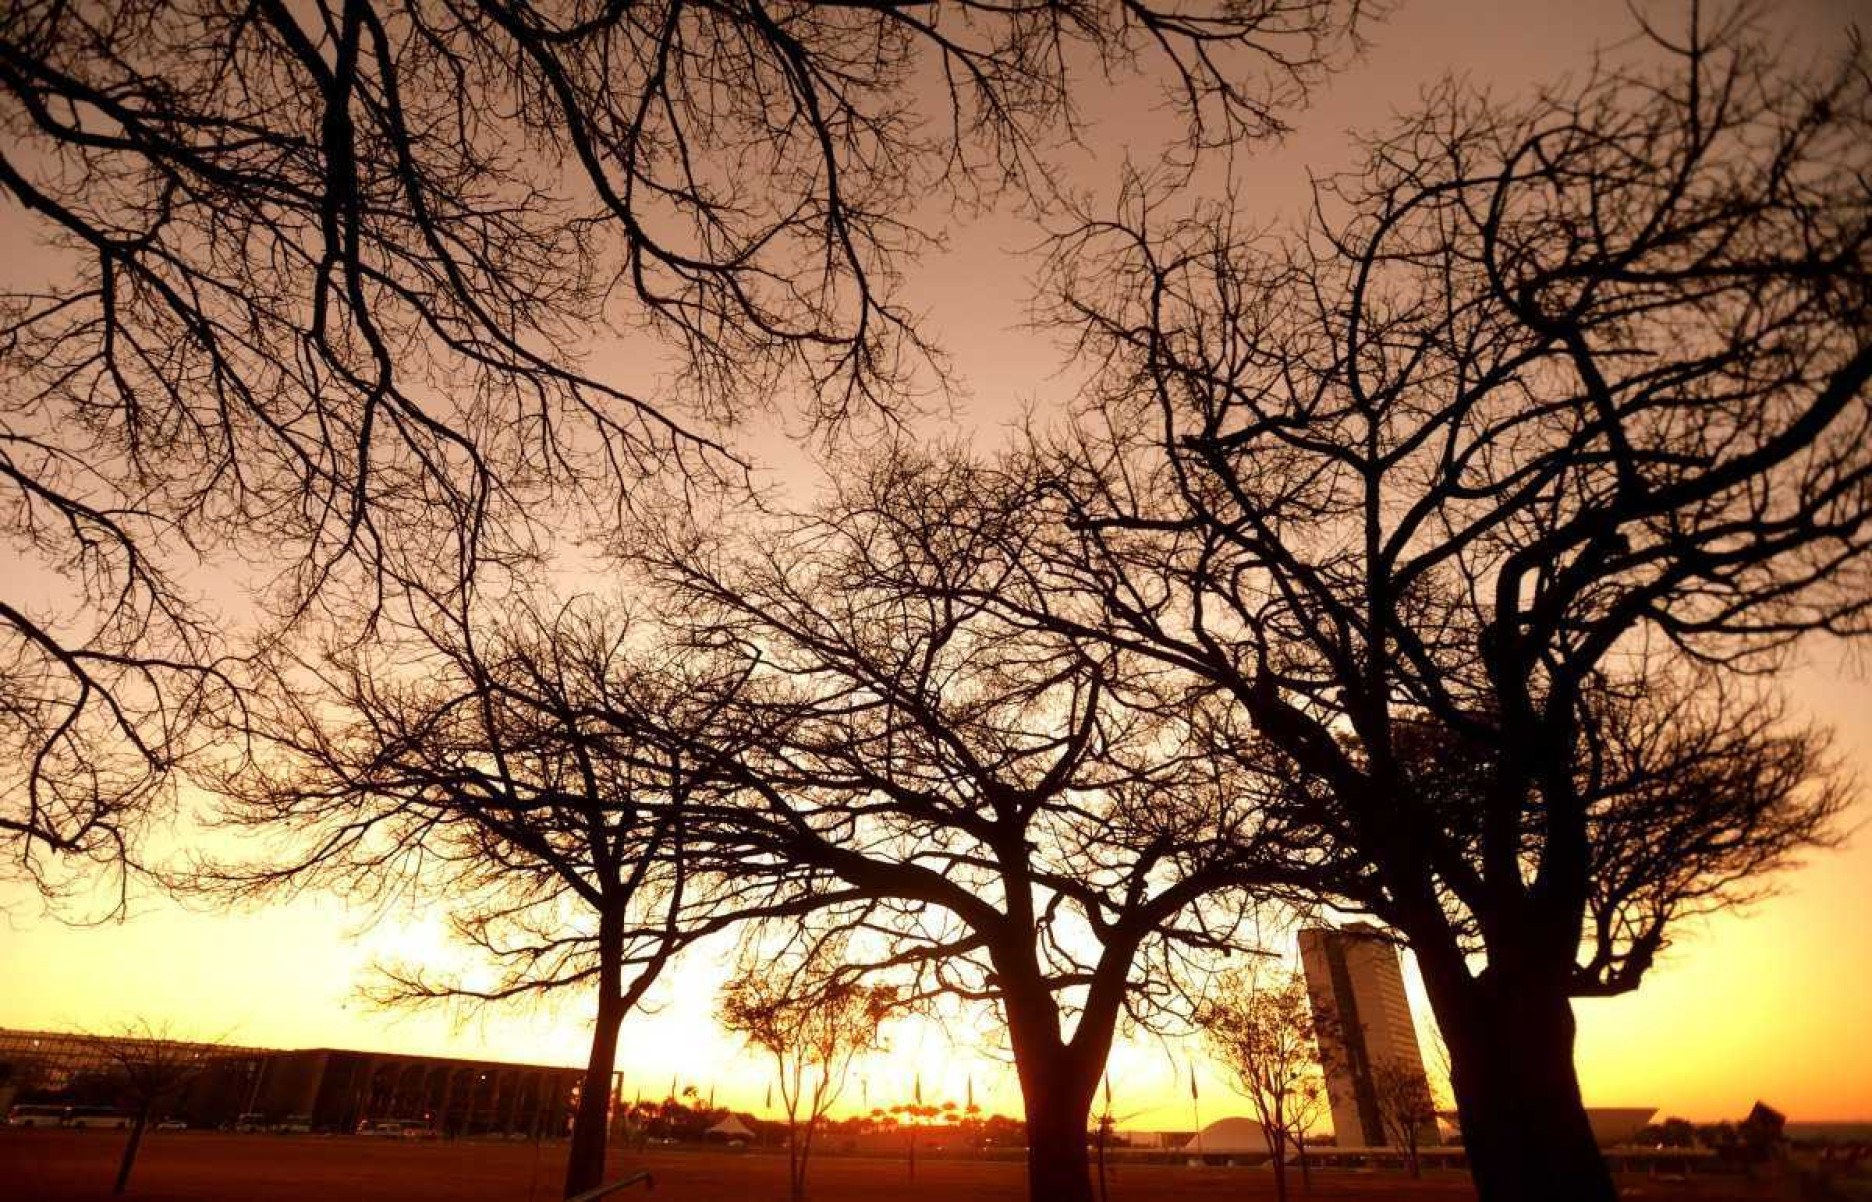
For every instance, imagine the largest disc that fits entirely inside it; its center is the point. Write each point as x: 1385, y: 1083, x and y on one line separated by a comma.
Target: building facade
x: 332, y: 1089
x: 320, y: 1089
x: 1368, y: 1040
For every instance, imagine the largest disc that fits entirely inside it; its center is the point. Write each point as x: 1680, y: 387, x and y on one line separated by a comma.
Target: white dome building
x: 1235, y: 1137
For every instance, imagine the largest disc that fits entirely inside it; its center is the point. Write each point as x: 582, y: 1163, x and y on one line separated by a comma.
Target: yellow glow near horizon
x: 1776, y: 1013
x: 1766, y: 1003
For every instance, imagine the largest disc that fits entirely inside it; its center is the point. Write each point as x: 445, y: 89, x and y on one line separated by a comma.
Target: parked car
x: 172, y: 1125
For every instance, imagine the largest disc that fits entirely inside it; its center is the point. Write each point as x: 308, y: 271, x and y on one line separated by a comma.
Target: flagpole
x: 915, y: 1114
x: 1196, y: 1110
x: 1104, y: 1137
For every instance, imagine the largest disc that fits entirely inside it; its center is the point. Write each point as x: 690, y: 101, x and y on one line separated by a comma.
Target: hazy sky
x: 1770, y: 1003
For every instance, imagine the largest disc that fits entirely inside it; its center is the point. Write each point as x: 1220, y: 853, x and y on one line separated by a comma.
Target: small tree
x: 813, y: 1025
x: 148, y: 1069
x: 1267, y: 1036
x: 462, y: 761
x: 1405, y: 1107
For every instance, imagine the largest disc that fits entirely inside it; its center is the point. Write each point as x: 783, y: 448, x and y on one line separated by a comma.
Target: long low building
x: 333, y: 1089
x: 321, y: 1089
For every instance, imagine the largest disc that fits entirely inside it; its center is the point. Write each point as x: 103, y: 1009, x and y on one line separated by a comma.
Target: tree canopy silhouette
x: 1024, y: 818
x: 337, y: 290
x: 501, y: 766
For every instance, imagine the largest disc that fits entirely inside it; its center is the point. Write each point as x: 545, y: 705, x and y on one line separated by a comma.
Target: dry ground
x: 77, y: 1166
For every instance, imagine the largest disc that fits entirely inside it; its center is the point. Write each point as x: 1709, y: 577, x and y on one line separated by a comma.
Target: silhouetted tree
x: 1673, y: 1132
x: 469, y: 768
x: 1030, y: 824
x: 330, y: 283
x: 148, y: 1069
x: 1406, y: 1110
x: 813, y: 1025
x: 683, y: 1116
x: 1479, y: 499
x: 1264, y: 1031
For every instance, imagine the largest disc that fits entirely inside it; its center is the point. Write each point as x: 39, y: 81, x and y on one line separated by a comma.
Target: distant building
x: 1357, y: 987
x: 84, y: 1070
x: 1154, y: 1140
x: 731, y: 1130
x: 331, y: 1089
x: 323, y: 1089
x: 1612, y: 1126
x: 1232, y: 1137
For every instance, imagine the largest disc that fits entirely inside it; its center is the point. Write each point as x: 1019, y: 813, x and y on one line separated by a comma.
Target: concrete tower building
x: 1357, y: 986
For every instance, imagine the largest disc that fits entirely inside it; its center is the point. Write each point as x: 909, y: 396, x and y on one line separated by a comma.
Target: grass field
x: 78, y: 1166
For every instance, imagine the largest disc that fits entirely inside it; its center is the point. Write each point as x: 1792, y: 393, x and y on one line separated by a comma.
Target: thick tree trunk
x: 1058, y: 1083
x: 1524, y: 1124
x: 585, y: 1161
x: 1057, y: 1086
x: 1059, y: 1168
x: 1059, y: 1077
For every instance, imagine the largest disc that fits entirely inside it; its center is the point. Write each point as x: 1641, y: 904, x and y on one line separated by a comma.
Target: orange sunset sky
x: 1769, y: 1003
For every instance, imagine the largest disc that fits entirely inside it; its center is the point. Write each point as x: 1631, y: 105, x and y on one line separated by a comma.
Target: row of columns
x: 460, y: 1099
